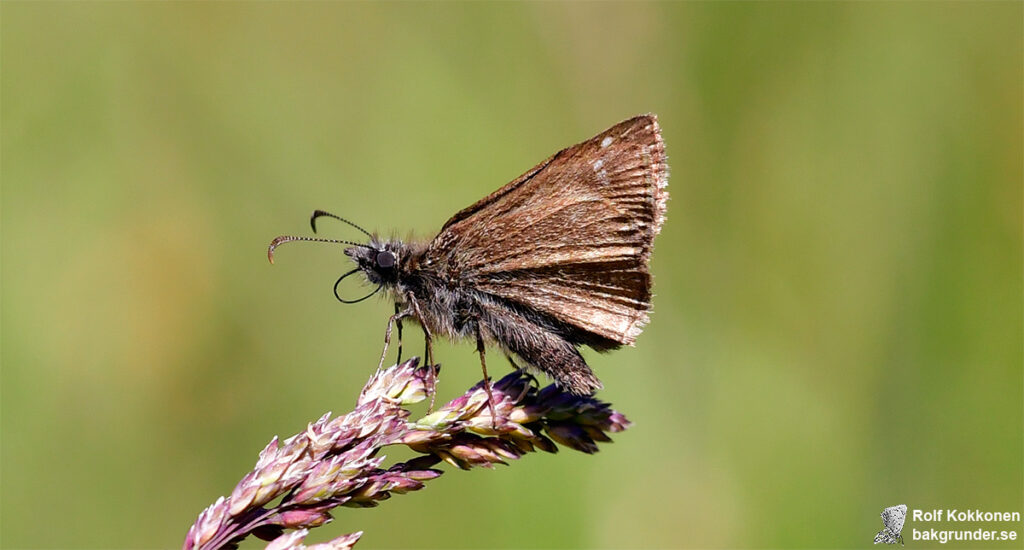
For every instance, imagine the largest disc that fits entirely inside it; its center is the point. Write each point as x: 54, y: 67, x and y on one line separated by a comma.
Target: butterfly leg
x: 428, y: 338
x: 398, y: 325
x: 487, y: 379
x: 396, y: 318
x: 428, y: 342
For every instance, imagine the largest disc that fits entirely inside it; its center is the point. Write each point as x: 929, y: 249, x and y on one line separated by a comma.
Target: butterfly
x: 893, y: 518
x: 554, y: 260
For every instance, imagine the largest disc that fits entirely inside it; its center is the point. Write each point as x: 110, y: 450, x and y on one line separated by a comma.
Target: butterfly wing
x: 571, y: 237
x: 894, y: 517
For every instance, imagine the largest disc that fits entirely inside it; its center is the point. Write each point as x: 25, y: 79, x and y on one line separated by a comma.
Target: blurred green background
x: 838, y: 310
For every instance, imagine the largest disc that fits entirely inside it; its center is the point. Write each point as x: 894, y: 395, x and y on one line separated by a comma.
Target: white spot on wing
x: 606, y: 142
x: 598, y: 164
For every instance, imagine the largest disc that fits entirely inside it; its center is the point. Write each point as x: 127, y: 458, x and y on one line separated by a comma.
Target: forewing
x: 894, y: 517
x: 572, y: 237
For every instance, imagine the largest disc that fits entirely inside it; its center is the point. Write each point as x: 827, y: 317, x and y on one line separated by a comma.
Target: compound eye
x: 386, y: 259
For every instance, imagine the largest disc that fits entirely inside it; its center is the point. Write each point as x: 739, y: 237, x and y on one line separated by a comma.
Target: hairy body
x: 444, y: 306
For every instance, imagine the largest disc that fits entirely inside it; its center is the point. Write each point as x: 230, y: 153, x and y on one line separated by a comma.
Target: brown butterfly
x: 555, y: 260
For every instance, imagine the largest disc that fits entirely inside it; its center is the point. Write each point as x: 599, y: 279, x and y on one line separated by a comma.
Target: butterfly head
x: 378, y: 260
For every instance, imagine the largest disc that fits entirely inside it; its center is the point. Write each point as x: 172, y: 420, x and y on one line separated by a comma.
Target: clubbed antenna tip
x: 321, y: 214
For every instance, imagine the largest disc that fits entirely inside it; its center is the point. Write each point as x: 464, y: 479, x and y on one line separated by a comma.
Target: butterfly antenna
x: 321, y: 213
x: 288, y: 238
x: 344, y: 301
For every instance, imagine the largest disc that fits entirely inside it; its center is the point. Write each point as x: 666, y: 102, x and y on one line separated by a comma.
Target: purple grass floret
x: 334, y: 462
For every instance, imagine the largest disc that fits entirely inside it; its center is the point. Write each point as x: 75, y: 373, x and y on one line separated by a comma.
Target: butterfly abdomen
x: 541, y: 344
